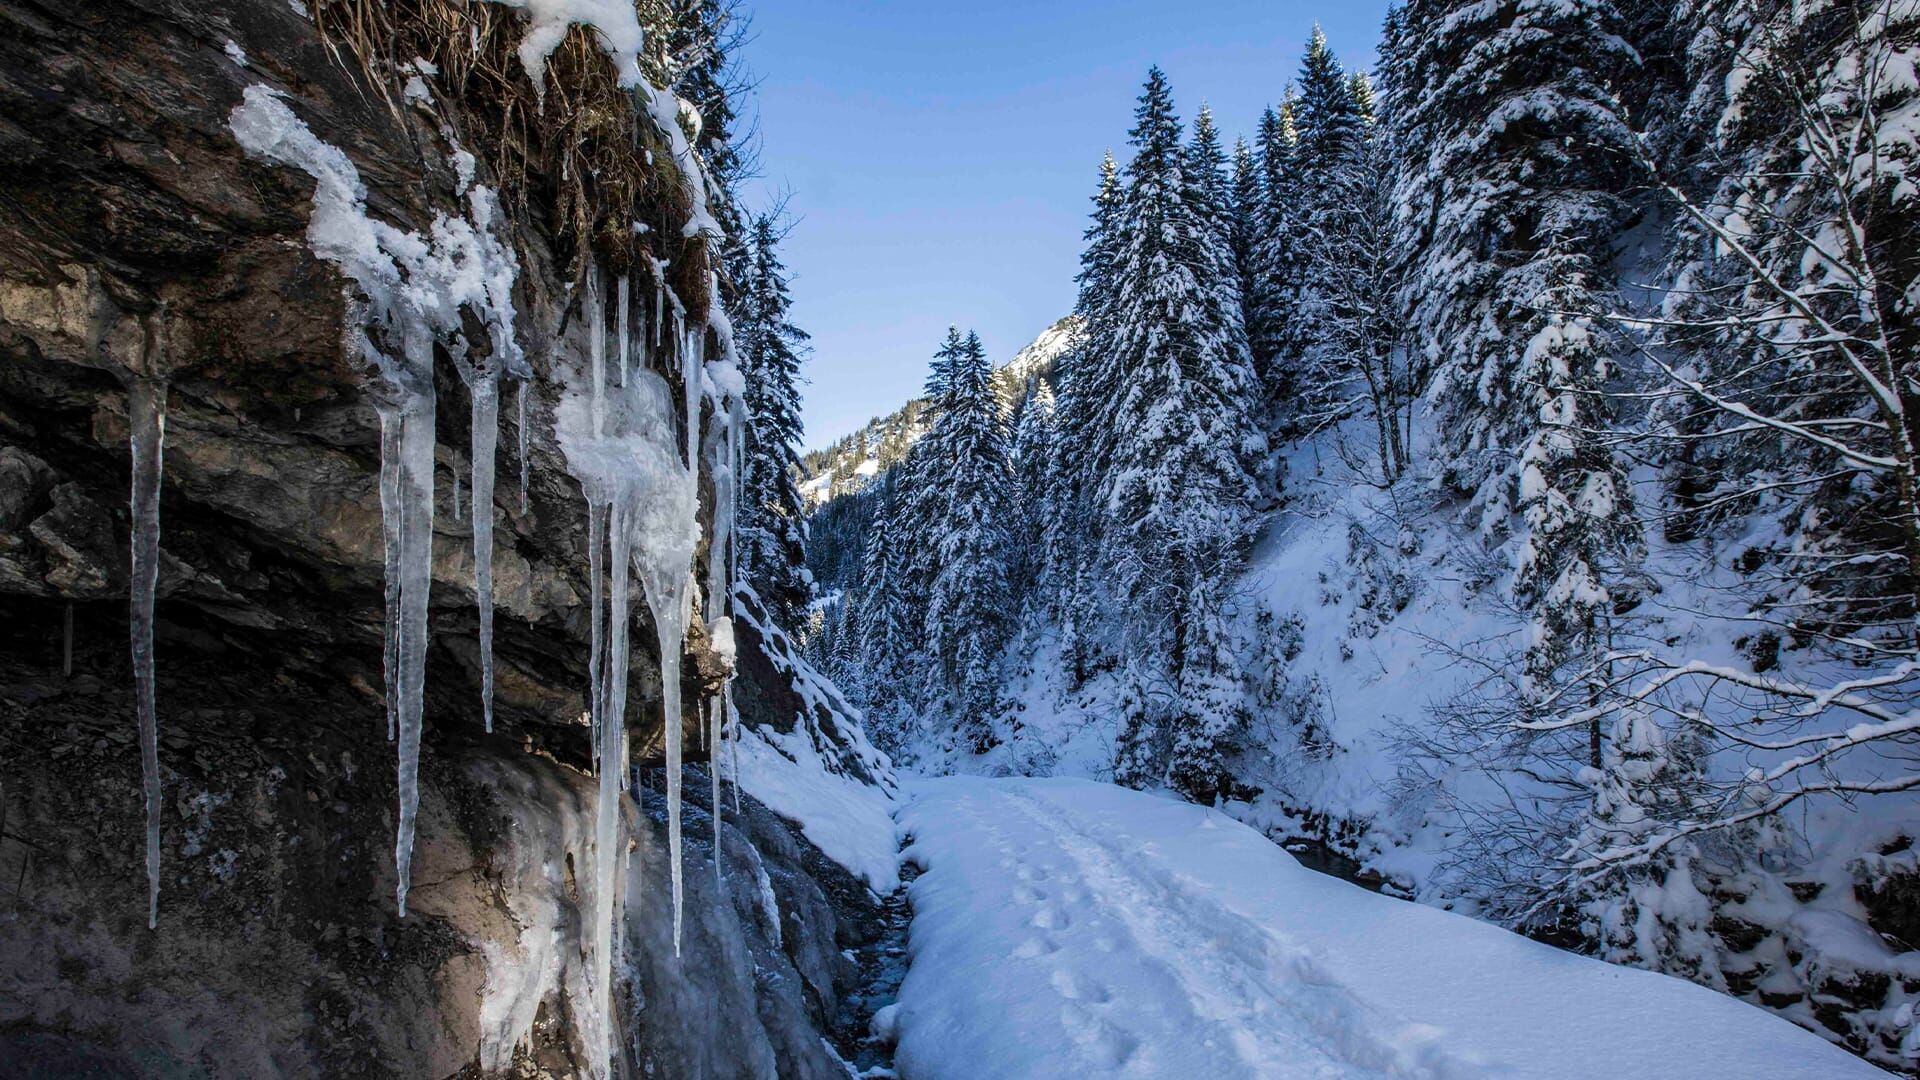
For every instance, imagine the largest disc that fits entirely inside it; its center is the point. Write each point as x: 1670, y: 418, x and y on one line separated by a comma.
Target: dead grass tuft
x: 586, y: 159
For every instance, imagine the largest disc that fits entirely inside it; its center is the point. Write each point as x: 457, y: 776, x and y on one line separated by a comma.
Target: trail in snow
x: 1067, y: 928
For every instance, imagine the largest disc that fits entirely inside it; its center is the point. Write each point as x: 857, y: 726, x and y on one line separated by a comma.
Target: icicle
x: 456, y: 495
x: 620, y: 299
x: 596, y: 316
x: 524, y: 504
x: 733, y: 747
x: 608, y: 841
x: 669, y: 621
x: 690, y: 368
x: 718, y: 712
x: 485, y: 437
x: 596, y: 538
x: 659, y: 303
x: 415, y: 494
x: 390, y: 537
x: 147, y: 426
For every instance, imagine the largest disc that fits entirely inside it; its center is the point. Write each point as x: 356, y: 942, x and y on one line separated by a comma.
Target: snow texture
x: 1096, y: 931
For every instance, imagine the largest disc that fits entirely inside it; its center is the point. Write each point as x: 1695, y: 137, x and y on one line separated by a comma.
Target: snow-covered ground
x: 1065, y: 928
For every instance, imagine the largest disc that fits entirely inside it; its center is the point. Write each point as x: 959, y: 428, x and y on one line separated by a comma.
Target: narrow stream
x: 883, y: 964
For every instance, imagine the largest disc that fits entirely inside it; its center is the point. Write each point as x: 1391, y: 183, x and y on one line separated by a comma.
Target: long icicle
x: 670, y: 620
x: 147, y: 424
x: 524, y: 503
x: 596, y: 540
x: 390, y: 539
x: 416, y: 577
x: 718, y: 714
x: 485, y: 439
x: 597, y: 348
x: 623, y: 319
x: 612, y: 754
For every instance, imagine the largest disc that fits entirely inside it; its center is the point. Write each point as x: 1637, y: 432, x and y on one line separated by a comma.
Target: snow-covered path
x: 1066, y: 928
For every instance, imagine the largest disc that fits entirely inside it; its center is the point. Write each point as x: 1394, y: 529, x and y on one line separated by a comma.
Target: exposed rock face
x: 278, y: 952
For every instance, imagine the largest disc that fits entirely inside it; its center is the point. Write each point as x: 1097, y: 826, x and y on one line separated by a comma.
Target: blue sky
x: 939, y: 156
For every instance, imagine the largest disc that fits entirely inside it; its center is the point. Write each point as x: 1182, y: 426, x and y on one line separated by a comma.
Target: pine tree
x: 1511, y: 146
x: 1032, y: 453
x: 964, y: 459
x: 1246, y: 204
x: 1087, y: 388
x: 1205, y: 170
x: 1175, y: 499
x: 882, y: 625
x: 1270, y: 316
x: 1507, y: 233
x: 1326, y: 116
x: 772, y: 527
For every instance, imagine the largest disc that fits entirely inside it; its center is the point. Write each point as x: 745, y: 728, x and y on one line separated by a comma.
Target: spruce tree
x: 1246, y: 205
x: 772, y: 528
x: 1087, y: 387
x: 964, y: 459
x: 1175, y: 499
x: 1271, y: 319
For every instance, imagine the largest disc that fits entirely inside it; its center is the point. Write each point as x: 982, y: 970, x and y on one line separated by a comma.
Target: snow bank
x: 850, y: 821
x: 1067, y: 928
x: 813, y: 776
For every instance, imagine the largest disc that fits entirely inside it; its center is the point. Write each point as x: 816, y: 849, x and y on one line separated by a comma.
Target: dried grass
x: 587, y: 159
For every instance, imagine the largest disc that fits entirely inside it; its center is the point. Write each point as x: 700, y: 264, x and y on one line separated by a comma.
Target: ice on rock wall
x: 147, y: 425
x: 640, y: 494
x: 411, y: 292
x: 411, y: 289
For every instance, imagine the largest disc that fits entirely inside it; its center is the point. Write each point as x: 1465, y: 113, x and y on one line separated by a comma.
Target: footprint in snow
x: 1107, y: 1047
x: 1051, y: 918
x: 1034, y: 947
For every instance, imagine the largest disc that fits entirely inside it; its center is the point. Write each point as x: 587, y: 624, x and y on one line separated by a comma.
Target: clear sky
x: 939, y: 156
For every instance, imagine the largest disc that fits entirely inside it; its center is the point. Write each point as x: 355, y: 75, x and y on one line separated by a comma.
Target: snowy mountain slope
x: 850, y: 462
x: 1064, y: 928
x: 1391, y: 621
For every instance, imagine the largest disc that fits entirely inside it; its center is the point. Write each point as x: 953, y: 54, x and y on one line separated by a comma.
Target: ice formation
x: 623, y: 307
x: 147, y: 426
x: 411, y: 290
x: 409, y: 294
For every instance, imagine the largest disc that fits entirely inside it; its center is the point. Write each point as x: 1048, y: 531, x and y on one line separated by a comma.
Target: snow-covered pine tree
x: 1327, y: 119
x: 772, y: 521
x: 1087, y: 387
x: 1510, y: 148
x: 1176, y: 495
x: 1032, y: 454
x: 1360, y: 354
x: 882, y: 625
x: 1246, y: 204
x: 1329, y: 129
x: 1513, y: 146
x: 969, y: 614
x: 1269, y: 308
x: 1206, y: 173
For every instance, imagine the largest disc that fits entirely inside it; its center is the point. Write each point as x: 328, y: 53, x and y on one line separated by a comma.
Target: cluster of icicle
x: 615, y: 424
x: 641, y: 484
